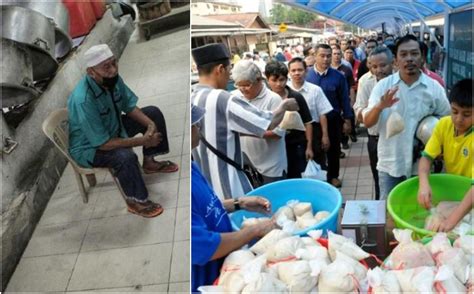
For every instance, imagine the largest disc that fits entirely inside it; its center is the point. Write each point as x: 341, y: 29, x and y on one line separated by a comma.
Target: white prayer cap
x: 97, y: 54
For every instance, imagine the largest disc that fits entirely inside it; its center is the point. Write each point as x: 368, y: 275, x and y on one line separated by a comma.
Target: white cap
x: 97, y: 54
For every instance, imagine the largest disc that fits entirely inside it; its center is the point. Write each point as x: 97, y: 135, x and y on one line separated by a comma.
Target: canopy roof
x: 371, y: 14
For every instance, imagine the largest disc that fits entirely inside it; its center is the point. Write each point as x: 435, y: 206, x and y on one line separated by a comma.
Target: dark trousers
x: 295, y: 153
x: 372, y: 149
x: 133, y: 128
x: 124, y: 162
x: 319, y: 153
x: 334, y: 132
x: 268, y: 180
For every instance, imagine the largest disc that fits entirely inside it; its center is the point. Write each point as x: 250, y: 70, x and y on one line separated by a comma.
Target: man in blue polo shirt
x: 335, y: 88
x: 100, y: 136
x: 212, y: 237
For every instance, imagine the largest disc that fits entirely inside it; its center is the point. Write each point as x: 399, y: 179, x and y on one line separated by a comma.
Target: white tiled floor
x: 99, y: 246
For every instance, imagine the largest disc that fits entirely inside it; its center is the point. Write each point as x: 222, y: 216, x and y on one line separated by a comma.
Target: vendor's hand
x: 346, y: 128
x: 290, y: 104
x: 325, y: 144
x: 388, y: 99
x: 255, y: 204
x: 264, y: 227
x: 309, y: 153
x: 424, y: 196
x: 440, y: 224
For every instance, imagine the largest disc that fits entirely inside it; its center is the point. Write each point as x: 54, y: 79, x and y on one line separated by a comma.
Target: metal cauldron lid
x: 63, y: 43
x: 44, y: 65
x: 425, y: 128
x: 13, y: 95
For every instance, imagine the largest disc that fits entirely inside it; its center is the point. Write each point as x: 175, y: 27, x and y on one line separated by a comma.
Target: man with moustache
x: 381, y: 60
x: 413, y: 95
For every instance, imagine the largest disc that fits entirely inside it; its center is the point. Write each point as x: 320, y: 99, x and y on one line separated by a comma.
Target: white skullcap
x: 97, y: 54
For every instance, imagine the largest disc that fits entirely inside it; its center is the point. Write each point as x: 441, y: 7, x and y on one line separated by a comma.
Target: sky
x: 252, y: 6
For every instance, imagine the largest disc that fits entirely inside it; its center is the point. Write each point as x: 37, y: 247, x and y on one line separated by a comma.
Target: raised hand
x: 388, y: 99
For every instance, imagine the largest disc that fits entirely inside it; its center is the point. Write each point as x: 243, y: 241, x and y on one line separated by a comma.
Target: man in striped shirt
x: 226, y: 118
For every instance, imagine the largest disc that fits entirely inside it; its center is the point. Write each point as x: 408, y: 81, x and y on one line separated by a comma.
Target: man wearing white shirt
x: 417, y: 96
x: 381, y: 60
x: 318, y: 106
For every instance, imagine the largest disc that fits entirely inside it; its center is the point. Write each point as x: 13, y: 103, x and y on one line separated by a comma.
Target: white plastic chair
x: 55, y: 126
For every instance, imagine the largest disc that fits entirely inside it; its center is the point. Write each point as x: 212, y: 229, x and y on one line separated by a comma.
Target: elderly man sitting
x: 267, y: 154
x: 100, y: 136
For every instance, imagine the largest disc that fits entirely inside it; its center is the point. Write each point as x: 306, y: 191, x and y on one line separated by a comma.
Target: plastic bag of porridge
x: 292, y: 121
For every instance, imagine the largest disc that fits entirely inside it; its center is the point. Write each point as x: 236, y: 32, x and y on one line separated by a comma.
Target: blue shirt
x: 95, y: 117
x: 209, y: 220
x: 335, y: 88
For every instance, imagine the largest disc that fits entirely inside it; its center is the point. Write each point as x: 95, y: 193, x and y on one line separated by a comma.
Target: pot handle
x: 41, y: 43
x: 27, y: 82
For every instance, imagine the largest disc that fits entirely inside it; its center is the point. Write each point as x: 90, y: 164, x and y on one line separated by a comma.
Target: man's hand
x: 325, y: 144
x: 290, y: 104
x: 309, y: 153
x: 151, y: 128
x: 424, y: 196
x: 151, y: 138
x: 388, y: 99
x: 255, y: 204
x: 346, y: 128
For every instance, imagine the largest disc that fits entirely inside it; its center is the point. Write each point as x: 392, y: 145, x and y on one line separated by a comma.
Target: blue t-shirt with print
x: 209, y: 219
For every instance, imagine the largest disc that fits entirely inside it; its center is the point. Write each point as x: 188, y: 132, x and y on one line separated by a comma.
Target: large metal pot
x: 59, y: 14
x: 16, y: 80
x: 34, y: 30
x: 425, y: 128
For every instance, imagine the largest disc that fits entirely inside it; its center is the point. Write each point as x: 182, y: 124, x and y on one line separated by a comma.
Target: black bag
x: 255, y: 178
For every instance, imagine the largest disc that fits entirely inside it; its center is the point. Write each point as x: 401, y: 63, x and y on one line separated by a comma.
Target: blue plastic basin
x: 321, y: 195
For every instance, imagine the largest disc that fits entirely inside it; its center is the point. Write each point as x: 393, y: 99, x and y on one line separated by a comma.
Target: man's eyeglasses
x: 245, y: 86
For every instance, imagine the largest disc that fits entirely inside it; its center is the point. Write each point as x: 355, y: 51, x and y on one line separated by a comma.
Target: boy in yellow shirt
x: 453, y: 138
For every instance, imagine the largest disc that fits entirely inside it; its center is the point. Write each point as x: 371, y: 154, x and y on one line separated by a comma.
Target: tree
x: 282, y: 13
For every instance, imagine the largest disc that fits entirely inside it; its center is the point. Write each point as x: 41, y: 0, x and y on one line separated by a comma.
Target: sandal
x: 165, y: 167
x: 148, y: 209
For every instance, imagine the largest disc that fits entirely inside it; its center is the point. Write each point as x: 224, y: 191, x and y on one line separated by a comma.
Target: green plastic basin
x: 402, y: 203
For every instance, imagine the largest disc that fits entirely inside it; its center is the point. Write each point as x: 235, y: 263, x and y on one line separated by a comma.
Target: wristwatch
x: 236, y: 204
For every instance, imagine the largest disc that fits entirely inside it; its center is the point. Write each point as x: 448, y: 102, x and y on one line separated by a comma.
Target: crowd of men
x: 333, y: 87
x: 331, y: 83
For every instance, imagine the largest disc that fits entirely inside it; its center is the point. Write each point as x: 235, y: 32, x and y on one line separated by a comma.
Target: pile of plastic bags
x: 436, y: 267
x: 282, y: 263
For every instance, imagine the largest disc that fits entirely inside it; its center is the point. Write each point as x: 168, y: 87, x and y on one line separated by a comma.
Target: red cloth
x: 355, y: 69
x: 434, y: 76
x: 287, y: 56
